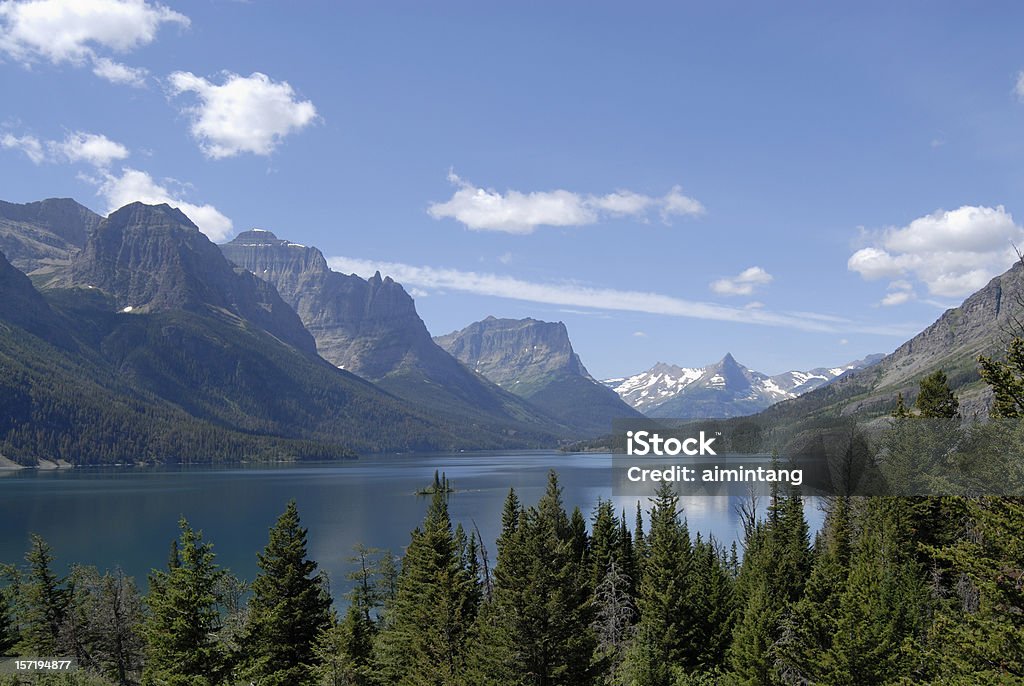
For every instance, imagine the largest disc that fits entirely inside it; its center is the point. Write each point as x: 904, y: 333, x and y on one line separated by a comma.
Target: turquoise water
x: 128, y: 517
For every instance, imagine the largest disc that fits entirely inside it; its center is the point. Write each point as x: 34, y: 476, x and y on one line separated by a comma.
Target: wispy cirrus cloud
x: 78, y: 32
x: 571, y: 294
x: 485, y: 209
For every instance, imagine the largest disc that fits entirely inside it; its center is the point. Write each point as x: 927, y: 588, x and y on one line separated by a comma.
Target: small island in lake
x: 441, y: 485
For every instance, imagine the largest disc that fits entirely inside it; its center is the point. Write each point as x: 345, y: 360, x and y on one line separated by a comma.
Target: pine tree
x: 811, y: 628
x: 288, y: 610
x: 1006, y: 378
x: 665, y: 631
x: 901, y: 411
x: 935, y: 400
x: 42, y: 602
x: 8, y: 624
x: 184, y: 618
x: 537, y: 631
x: 883, y: 603
x: 771, y: 580
x: 425, y: 630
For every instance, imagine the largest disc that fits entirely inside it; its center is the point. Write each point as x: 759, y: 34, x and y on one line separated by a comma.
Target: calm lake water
x: 128, y: 517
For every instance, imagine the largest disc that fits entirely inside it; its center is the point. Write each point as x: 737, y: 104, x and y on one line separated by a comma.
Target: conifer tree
x: 935, y: 400
x: 425, y: 630
x: 288, y: 610
x: 184, y: 618
x: 771, y: 579
x: 665, y: 631
x: 811, y: 629
x: 538, y: 629
x: 883, y: 603
x: 42, y: 601
x: 8, y: 623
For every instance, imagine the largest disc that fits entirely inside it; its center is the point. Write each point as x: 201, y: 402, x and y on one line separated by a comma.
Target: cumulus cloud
x: 744, y: 283
x: 242, y: 114
x: 79, y: 146
x: 59, y: 31
x: 30, y: 145
x: 484, y: 209
x: 575, y: 295
x: 133, y: 185
x: 952, y: 252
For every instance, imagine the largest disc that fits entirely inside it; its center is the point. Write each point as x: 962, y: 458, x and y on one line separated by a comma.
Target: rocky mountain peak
x: 150, y: 258
x: 45, y: 233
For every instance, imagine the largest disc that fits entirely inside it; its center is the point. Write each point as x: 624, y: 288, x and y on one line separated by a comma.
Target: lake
x: 128, y: 517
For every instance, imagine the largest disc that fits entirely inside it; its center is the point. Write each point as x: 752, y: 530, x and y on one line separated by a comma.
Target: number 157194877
x: 22, y: 665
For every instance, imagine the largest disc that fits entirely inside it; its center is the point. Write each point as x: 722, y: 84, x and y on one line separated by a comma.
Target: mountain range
x: 723, y: 389
x: 535, y: 360
x: 133, y: 338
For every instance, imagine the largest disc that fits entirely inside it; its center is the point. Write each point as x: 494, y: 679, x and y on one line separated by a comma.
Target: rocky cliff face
x: 536, y: 360
x: 516, y: 354
x: 370, y: 327
x: 982, y: 325
x: 367, y: 326
x: 153, y: 258
x: 44, y: 234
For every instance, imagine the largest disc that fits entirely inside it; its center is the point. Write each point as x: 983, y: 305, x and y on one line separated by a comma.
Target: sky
x: 797, y: 184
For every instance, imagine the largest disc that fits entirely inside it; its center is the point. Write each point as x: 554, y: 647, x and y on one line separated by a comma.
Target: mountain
x: 370, y: 327
x: 44, y: 234
x: 723, y: 389
x: 152, y: 346
x: 535, y: 360
x: 981, y: 325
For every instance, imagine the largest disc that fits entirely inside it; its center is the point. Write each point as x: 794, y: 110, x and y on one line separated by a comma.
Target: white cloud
x: 575, y: 295
x: 953, y: 253
x: 900, y: 292
x: 96, y: 149
x: 138, y: 186
x: 78, y: 146
x: 418, y: 293
x: 75, y: 32
x: 484, y: 209
x: 640, y: 334
x: 243, y: 114
x: 1019, y: 87
x: 675, y: 203
x: 897, y: 298
x: 30, y: 145
x: 115, y: 72
x: 744, y: 283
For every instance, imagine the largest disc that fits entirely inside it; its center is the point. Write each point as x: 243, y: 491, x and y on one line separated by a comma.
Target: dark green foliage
x: 288, y: 610
x: 8, y: 621
x: 935, y: 400
x: 770, y: 582
x: 537, y: 631
x: 184, y: 618
x: 665, y: 631
x: 426, y: 627
x: 42, y: 602
x: 1006, y: 378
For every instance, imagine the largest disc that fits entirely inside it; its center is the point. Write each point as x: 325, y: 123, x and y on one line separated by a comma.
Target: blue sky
x: 798, y: 185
